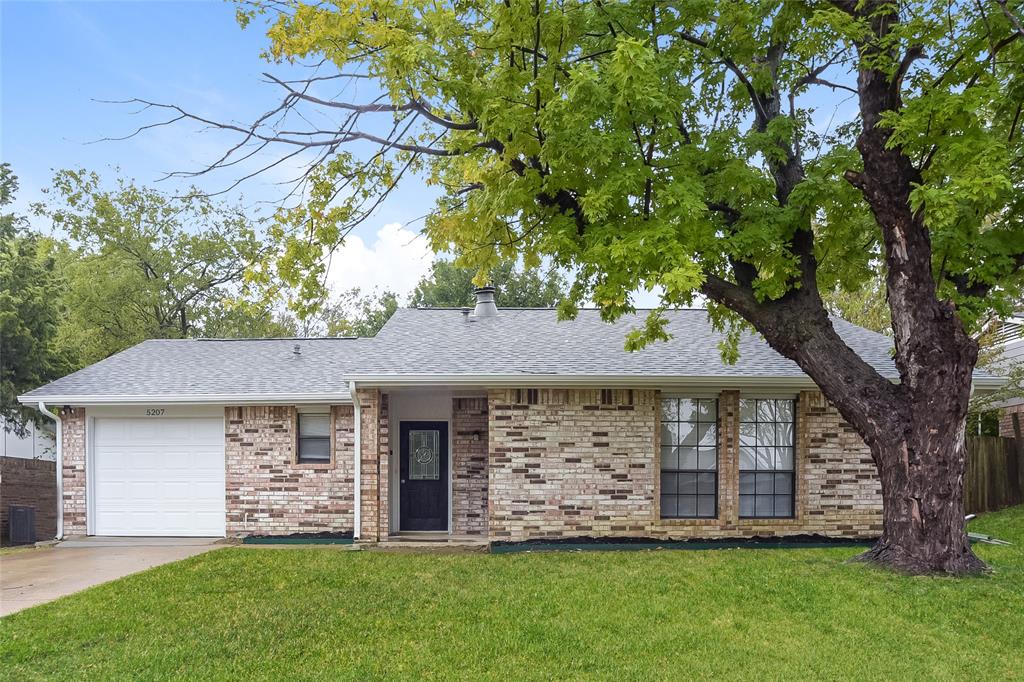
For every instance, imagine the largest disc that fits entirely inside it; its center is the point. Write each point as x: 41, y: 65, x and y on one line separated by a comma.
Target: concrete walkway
x: 36, y: 575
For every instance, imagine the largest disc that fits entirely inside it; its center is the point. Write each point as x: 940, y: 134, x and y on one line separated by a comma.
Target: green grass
x: 321, y: 613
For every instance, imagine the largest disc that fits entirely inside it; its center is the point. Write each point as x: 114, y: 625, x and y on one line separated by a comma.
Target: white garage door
x: 158, y: 477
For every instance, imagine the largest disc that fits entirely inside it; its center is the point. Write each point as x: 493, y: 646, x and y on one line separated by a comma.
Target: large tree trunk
x: 920, y: 456
x: 915, y: 431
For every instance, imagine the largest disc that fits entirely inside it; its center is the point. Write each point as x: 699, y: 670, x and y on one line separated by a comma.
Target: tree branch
x: 755, y: 99
x: 1011, y: 17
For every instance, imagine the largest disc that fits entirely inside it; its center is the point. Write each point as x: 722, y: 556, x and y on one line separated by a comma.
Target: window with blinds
x: 314, y: 439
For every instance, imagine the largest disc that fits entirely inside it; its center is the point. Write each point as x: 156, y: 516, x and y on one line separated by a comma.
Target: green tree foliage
x: 358, y: 314
x: 142, y: 265
x: 247, y: 319
x: 451, y: 286
x: 643, y: 141
x: 351, y: 313
x: 865, y: 306
x: 29, y: 312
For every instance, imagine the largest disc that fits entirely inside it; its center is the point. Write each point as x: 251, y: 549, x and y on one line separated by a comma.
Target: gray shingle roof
x: 420, y: 344
x: 208, y: 368
x: 532, y: 341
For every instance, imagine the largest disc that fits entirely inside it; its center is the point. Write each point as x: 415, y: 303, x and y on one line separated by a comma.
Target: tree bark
x: 921, y: 467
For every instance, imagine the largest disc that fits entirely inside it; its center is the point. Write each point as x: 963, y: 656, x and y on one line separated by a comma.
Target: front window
x: 314, y: 439
x: 689, y: 458
x: 767, y: 471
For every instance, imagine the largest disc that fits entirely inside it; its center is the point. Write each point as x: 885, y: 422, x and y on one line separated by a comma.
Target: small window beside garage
x: 314, y: 442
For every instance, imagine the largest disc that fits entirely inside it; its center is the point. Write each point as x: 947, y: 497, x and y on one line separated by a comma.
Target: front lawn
x: 244, y: 613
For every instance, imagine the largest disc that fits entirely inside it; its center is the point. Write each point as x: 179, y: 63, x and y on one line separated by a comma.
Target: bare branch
x: 414, y: 105
x: 828, y: 84
x: 755, y: 99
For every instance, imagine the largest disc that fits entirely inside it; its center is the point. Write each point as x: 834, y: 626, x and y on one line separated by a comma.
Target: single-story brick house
x: 495, y: 424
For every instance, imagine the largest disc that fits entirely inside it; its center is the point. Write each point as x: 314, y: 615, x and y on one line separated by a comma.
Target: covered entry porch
x: 432, y: 459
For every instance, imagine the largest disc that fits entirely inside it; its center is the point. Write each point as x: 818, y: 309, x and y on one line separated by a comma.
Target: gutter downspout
x: 357, y: 476
x: 59, y: 468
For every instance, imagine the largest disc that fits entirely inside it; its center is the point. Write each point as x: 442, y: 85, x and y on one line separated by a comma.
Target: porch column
x: 374, y: 462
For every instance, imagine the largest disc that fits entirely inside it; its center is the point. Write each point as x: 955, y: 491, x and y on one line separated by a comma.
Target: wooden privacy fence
x: 995, y: 473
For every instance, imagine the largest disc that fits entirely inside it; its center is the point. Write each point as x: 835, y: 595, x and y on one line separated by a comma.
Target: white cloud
x: 395, y: 261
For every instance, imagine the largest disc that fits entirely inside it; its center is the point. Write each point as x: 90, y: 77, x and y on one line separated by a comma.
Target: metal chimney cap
x: 485, y: 306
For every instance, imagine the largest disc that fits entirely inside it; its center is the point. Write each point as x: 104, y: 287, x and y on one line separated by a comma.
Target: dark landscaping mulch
x: 321, y: 538
x: 623, y: 544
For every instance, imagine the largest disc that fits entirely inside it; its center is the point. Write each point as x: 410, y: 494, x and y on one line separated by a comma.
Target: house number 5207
x: 155, y: 412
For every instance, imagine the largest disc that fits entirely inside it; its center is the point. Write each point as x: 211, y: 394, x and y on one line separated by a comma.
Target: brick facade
x: 525, y: 464
x: 374, y: 464
x: 838, y: 492
x: 31, y: 483
x: 570, y: 465
x: 268, y: 493
x: 585, y: 463
x: 469, y: 466
x: 1006, y: 415
x: 73, y: 454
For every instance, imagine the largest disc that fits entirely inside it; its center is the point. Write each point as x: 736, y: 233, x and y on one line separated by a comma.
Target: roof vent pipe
x: 296, y: 349
x: 485, y: 306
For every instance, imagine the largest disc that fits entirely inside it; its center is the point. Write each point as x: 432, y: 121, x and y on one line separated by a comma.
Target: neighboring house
x: 28, y: 478
x: 37, y: 443
x: 1009, y: 338
x: 497, y: 424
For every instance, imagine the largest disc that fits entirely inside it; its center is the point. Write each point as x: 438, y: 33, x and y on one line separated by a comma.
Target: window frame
x: 792, y: 471
x: 329, y: 462
x: 697, y: 472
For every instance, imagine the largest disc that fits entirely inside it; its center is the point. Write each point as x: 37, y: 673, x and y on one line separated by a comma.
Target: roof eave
x: 983, y: 384
x: 191, y: 399
x: 988, y: 384
x: 568, y: 380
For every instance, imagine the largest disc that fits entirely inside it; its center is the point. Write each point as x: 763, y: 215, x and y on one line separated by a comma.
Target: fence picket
x: 993, y: 477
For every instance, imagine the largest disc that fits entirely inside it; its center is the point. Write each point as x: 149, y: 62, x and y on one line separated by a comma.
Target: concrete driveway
x: 36, y: 575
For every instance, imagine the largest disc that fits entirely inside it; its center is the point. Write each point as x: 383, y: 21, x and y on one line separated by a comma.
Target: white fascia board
x: 224, y: 399
x: 981, y: 384
x: 605, y: 381
x: 989, y: 384
x: 563, y: 380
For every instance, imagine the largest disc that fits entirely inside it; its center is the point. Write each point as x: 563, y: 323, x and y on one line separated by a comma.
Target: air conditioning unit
x: 21, y: 524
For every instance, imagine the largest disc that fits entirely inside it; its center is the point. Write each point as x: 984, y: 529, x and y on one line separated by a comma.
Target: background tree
x: 358, y: 314
x: 864, y: 306
x: 247, y: 319
x: 451, y: 286
x: 694, y: 146
x: 142, y: 265
x: 29, y: 313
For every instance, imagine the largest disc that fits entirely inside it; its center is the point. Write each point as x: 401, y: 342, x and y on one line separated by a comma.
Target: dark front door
x: 424, y: 475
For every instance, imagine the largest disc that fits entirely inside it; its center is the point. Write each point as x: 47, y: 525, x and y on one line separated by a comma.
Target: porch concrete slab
x: 36, y: 576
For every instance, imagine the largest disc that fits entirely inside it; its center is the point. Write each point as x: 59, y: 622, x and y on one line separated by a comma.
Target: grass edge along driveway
x: 318, y: 613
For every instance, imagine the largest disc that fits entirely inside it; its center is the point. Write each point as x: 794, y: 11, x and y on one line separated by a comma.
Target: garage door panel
x: 159, y: 477
x: 208, y: 429
x: 209, y: 492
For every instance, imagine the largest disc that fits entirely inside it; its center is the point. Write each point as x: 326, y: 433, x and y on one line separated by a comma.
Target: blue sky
x: 58, y: 58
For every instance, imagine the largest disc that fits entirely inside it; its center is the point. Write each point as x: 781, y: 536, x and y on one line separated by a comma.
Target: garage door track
x: 37, y: 575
